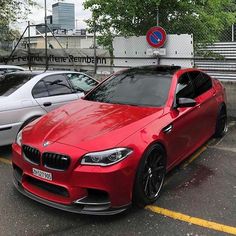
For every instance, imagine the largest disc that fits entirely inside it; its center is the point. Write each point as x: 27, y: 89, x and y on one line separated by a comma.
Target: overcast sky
x: 37, y: 15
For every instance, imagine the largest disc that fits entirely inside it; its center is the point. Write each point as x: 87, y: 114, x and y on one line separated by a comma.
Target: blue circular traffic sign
x: 156, y: 37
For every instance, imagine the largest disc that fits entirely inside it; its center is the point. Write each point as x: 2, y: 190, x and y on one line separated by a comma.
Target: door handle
x: 47, y: 104
x: 168, y: 129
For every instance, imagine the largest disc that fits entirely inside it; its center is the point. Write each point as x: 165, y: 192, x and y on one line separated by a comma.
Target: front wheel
x: 150, y: 176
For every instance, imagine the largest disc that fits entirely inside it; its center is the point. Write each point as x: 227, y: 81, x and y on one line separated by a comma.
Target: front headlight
x: 19, y: 138
x: 106, y: 158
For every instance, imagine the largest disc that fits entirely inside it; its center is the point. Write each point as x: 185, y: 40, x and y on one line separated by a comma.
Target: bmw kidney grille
x: 49, y: 160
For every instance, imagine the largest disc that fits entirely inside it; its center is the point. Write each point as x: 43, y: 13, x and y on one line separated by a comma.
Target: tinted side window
x: 185, y: 87
x: 12, y: 70
x: 57, y: 85
x: 201, y: 82
x: 40, y: 90
x: 11, y: 82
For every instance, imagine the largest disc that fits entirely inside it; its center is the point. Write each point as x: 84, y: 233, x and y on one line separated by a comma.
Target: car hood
x: 90, y: 125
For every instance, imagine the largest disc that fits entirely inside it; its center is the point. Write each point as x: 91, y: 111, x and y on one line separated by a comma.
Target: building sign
x: 83, y: 57
x: 40, y: 60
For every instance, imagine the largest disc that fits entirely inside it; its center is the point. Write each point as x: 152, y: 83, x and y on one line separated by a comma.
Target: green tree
x: 206, y: 19
x: 10, y: 12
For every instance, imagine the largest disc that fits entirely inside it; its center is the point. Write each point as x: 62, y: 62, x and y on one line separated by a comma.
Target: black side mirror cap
x: 185, y: 102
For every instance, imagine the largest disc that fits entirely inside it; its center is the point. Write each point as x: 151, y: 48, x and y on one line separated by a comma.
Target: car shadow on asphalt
x: 5, y: 151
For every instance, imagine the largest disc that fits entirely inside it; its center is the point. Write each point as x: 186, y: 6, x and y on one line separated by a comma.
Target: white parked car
x: 9, y: 68
x: 25, y: 96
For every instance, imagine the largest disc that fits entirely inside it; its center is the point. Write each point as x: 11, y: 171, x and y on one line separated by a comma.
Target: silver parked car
x: 9, y: 68
x: 25, y: 96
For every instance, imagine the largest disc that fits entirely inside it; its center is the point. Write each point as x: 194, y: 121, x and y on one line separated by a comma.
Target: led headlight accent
x: 19, y: 138
x: 106, y: 158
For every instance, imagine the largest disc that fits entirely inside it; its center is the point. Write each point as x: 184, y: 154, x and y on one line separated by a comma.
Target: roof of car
x: 24, y: 73
x: 11, y: 66
x: 155, y: 68
x: 42, y: 72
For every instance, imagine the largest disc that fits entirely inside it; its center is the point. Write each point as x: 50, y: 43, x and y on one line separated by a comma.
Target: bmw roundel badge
x: 45, y: 144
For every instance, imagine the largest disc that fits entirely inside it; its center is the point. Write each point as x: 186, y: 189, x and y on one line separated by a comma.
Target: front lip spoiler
x: 69, y: 208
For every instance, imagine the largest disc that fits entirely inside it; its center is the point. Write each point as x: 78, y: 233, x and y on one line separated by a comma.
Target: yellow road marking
x: 193, y: 220
x: 5, y: 161
x: 195, y: 156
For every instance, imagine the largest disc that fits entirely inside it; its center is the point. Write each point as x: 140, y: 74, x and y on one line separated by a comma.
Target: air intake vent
x: 48, y: 187
x: 55, y: 161
x: 31, y: 154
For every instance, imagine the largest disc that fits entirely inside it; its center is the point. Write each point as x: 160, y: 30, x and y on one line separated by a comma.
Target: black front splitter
x: 69, y: 208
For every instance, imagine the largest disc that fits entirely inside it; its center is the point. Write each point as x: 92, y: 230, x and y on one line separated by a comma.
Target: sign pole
x: 233, y: 32
x: 95, y: 47
x: 158, y: 58
x: 157, y: 15
x: 29, y: 52
x: 46, y: 36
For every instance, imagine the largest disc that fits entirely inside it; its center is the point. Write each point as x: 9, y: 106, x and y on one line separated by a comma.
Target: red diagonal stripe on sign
x: 155, y: 37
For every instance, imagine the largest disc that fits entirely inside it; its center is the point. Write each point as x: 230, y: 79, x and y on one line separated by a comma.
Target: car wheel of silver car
x: 221, y: 122
x: 150, y: 176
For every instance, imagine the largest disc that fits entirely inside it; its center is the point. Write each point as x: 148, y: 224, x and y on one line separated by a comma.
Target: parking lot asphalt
x: 198, y: 198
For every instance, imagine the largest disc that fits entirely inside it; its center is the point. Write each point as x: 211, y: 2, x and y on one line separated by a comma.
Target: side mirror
x: 185, y: 102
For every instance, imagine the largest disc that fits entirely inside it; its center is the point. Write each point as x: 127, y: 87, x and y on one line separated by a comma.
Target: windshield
x: 134, y: 87
x: 11, y: 82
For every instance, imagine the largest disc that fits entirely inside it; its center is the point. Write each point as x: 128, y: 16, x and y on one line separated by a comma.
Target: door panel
x: 187, y: 128
x: 185, y: 133
x: 204, y: 95
x: 54, y: 91
x: 208, y: 109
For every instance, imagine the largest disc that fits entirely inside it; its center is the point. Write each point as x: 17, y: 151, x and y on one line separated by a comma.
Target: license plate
x: 42, y: 174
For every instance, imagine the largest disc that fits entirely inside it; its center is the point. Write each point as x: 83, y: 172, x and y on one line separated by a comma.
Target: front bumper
x: 74, y: 208
x: 115, y: 181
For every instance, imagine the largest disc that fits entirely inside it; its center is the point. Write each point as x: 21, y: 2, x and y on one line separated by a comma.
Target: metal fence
x: 214, y: 50
x: 220, y: 60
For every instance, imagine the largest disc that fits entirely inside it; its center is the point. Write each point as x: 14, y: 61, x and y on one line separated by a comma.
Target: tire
x: 150, y: 176
x: 221, y: 123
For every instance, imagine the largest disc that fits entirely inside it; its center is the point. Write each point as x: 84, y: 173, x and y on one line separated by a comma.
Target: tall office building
x: 64, y: 15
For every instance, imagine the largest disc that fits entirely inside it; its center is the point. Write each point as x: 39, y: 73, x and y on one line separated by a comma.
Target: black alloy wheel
x: 154, y: 174
x: 150, y: 176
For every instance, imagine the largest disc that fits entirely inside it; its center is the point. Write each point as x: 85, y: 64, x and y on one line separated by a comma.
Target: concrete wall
x: 230, y: 87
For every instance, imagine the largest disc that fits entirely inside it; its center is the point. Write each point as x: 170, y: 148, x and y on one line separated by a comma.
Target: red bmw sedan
x: 114, y: 147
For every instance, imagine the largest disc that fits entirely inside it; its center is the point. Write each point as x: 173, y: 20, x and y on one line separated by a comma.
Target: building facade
x: 63, y: 14
x: 66, y: 41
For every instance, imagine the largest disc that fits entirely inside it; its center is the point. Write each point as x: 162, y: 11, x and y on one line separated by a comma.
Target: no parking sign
x: 156, y: 37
